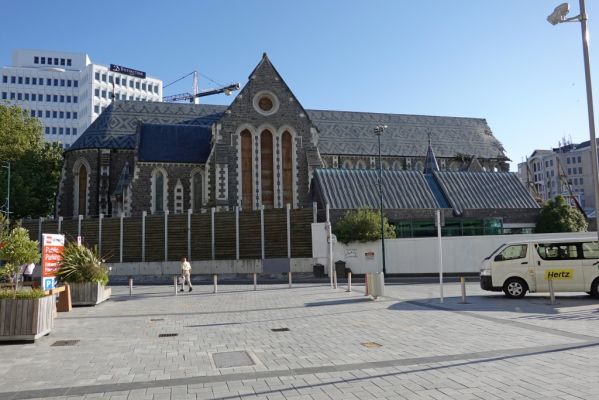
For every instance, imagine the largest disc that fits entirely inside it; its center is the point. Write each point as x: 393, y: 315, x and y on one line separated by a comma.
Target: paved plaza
x: 312, y: 342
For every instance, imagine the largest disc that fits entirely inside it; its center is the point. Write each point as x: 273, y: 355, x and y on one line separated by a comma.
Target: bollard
x: 130, y: 286
x: 255, y: 281
x: 551, y: 291
x: 175, y: 283
x: 349, y: 281
x: 215, y: 278
x: 335, y: 278
x: 463, y: 285
x: 365, y: 284
x: 290, y: 279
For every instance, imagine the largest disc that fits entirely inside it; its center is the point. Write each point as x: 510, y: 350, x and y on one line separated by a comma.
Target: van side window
x: 558, y: 251
x: 514, y: 252
x: 590, y: 250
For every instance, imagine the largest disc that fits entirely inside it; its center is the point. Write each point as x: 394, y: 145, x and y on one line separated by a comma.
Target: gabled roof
x: 430, y: 162
x: 174, y: 143
x: 351, y: 133
x: 116, y: 127
x: 355, y: 188
x: 484, y: 190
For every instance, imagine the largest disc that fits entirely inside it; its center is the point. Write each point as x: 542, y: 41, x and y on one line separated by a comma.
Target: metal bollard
x: 255, y: 281
x: 175, y: 284
x: 365, y: 284
x: 349, y: 281
x: 215, y: 278
x: 334, y: 279
x: 463, y: 285
x: 551, y: 292
x: 290, y: 279
x: 130, y: 286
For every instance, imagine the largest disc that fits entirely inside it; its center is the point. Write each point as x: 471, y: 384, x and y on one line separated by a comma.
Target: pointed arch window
x: 287, y: 150
x: 82, y: 187
x: 246, y: 170
x: 158, y: 191
x: 267, y: 169
x: 197, y: 193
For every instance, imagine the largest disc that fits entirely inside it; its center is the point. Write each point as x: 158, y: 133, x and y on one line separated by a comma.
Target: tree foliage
x: 35, y: 165
x: 557, y: 216
x: 362, y: 225
x: 17, y: 249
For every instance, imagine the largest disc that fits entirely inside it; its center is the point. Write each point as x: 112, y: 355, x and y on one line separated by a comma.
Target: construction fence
x: 222, y: 235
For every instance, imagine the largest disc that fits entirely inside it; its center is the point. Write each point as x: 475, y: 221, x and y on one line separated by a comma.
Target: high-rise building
x: 67, y: 91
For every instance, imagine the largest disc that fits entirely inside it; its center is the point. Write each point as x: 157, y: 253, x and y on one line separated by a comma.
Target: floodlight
x: 559, y: 14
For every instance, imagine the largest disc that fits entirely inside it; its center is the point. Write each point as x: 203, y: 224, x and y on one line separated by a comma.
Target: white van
x: 515, y: 268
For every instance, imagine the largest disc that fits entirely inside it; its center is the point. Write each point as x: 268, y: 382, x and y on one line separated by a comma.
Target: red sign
x: 52, y: 248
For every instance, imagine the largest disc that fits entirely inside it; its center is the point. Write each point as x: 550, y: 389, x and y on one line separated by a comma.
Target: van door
x: 562, y: 263
x: 513, y: 260
x: 590, y: 263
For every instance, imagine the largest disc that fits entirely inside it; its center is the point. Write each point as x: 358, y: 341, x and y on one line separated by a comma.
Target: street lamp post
x: 7, y: 166
x: 378, y: 131
x: 559, y: 16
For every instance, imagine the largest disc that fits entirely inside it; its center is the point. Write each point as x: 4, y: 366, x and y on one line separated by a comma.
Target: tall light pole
x: 559, y: 16
x: 7, y: 166
x: 378, y: 131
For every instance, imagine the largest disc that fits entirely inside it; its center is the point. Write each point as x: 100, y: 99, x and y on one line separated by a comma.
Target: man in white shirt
x: 185, y: 273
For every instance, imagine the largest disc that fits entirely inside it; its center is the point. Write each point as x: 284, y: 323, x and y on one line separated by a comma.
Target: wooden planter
x: 26, y: 319
x: 89, y: 293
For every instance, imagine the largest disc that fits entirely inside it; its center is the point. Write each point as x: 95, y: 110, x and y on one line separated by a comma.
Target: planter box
x: 88, y: 293
x: 26, y: 319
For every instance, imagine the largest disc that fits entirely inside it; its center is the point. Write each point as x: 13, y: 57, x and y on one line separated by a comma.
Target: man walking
x: 185, y: 273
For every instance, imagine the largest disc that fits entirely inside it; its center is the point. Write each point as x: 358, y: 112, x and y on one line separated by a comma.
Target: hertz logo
x: 559, y: 274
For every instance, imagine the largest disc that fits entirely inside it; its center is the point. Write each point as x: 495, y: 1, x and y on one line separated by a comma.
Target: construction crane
x: 191, y: 97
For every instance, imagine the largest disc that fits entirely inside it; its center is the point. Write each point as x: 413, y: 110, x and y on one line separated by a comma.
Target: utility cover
x: 65, y: 343
x: 232, y: 359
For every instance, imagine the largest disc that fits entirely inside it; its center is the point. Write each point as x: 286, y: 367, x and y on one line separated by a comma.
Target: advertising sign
x: 52, y: 248
x: 559, y: 274
x: 127, y: 71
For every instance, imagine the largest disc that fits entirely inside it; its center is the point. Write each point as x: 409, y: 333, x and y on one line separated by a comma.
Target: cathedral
x: 262, y: 150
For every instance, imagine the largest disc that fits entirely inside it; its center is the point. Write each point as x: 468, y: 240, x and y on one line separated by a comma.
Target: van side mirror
x: 498, y: 257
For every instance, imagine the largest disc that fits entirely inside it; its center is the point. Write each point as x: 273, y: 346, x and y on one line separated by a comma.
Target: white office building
x: 67, y: 91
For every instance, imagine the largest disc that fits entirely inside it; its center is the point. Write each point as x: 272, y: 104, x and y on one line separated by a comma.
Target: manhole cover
x: 231, y: 359
x: 65, y: 343
x: 371, y: 345
x: 280, y: 329
x: 168, y: 334
x: 156, y: 319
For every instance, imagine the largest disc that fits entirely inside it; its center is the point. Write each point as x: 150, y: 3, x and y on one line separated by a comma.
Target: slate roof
x: 116, y: 127
x: 341, y: 132
x: 351, y: 133
x: 355, y: 188
x: 174, y: 143
x: 484, y: 190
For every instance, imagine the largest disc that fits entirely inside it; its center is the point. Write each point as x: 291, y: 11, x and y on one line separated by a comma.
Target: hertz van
x: 571, y: 264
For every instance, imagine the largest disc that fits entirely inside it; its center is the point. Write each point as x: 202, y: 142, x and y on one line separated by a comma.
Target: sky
x: 498, y: 60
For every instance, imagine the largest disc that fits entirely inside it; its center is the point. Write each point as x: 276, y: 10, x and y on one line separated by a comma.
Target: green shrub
x: 362, y: 225
x: 557, y: 216
x: 81, y: 264
x: 16, y: 249
x: 22, y: 294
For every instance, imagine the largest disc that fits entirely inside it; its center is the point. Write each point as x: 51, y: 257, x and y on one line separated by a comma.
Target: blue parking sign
x: 49, y: 282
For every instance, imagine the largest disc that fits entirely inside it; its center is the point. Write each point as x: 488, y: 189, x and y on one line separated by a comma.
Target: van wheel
x: 595, y: 288
x: 515, y: 288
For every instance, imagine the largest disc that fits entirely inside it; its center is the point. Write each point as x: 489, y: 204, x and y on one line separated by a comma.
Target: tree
x: 362, y: 225
x: 35, y: 165
x: 557, y: 216
x: 17, y: 250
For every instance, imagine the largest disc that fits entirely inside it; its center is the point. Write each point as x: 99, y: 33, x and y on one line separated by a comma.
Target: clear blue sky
x: 498, y: 60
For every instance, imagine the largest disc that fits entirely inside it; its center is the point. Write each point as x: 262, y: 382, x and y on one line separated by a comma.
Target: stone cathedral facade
x: 261, y: 150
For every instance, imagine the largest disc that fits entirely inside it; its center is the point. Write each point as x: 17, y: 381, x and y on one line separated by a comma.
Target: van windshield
x: 494, y: 251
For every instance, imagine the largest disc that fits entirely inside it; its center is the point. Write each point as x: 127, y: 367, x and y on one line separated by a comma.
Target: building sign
x: 52, y: 248
x: 559, y: 274
x: 127, y: 71
x: 369, y: 255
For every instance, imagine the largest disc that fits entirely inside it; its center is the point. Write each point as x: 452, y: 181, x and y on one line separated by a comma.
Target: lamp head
x: 559, y: 14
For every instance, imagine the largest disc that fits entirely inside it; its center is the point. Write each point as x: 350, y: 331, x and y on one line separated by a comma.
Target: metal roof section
x: 430, y: 162
x: 355, y: 188
x: 351, y: 133
x: 176, y: 143
x: 116, y: 127
x: 484, y: 190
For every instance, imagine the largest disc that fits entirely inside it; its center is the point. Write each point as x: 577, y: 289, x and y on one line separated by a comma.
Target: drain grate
x: 280, y: 329
x: 156, y: 319
x: 371, y: 345
x: 168, y: 335
x: 65, y: 343
x: 232, y: 359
